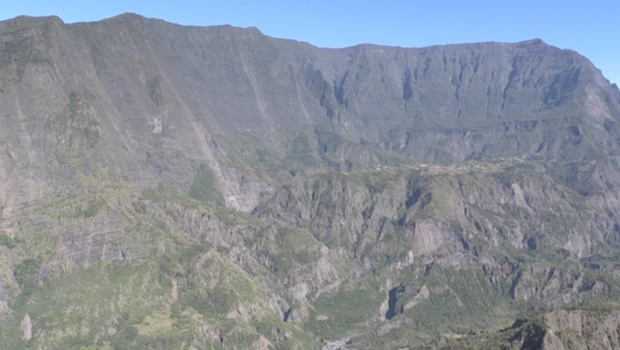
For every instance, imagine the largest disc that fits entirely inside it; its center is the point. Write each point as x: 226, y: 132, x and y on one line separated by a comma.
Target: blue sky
x: 591, y: 28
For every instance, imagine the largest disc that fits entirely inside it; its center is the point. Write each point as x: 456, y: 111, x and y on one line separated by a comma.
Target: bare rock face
x: 26, y: 327
x: 557, y: 330
x: 165, y: 186
x: 582, y: 330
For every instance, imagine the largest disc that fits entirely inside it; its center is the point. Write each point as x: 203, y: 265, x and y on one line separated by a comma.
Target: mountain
x: 164, y: 186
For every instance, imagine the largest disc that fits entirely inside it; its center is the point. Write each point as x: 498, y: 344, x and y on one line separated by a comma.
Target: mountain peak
x: 26, y: 21
x: 535, y: 41
x: 128, y: 17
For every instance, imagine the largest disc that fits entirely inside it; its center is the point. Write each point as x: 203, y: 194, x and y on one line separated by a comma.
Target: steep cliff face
x: 167, y: 186
x: 558, y: 330
x: 582, y: 330
x: 135, y: 94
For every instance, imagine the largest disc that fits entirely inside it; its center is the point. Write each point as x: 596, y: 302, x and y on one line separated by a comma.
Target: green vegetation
x: 75, y: 127
x: 203, y: 187
x: 344, y: 312
x: 153, y: 89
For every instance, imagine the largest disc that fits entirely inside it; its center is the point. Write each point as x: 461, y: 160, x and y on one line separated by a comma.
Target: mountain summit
x: 165, y: 186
